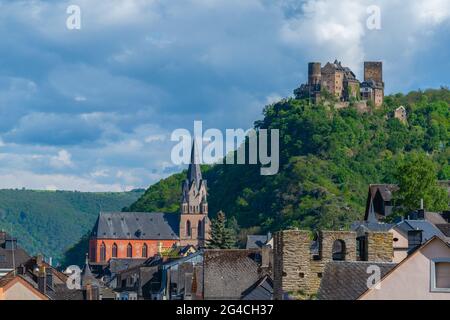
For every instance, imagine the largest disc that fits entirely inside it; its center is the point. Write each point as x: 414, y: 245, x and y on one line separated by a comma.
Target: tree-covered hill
x: 328, y: 157
x: 50, y: 222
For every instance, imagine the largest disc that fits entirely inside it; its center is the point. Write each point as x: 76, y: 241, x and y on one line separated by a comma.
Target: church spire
x: 194, y: 172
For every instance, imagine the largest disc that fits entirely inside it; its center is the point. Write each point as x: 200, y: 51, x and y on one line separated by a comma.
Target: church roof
x: 194, y: 171
x: 137, y: 226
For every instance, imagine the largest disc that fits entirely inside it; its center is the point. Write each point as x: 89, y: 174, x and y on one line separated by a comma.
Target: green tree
x: 222, y: 237
x: 417, y: 179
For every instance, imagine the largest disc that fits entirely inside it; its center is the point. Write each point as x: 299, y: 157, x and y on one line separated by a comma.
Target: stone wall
x: 373, y: 71
x: 298, y: 271
x: 380, y: 246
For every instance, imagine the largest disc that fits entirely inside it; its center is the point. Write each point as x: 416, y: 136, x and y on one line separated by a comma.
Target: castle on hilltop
x: 341, y: 82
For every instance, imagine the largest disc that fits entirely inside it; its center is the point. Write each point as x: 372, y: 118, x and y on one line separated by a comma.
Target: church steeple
x: 194, y: 222
x: 194, y: 172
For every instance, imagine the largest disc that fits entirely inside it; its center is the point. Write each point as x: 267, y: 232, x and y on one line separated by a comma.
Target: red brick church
x: 140, y: 235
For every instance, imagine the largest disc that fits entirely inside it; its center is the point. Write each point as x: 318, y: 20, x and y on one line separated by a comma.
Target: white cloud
x: 432, y: 11
x: 94, y: 108
x: 31, y: 180
x: 62, y: 159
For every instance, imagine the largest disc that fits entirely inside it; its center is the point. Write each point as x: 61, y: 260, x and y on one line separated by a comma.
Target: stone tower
x: 194, y: 221
x: 373, y: 71
x: 314, y: 73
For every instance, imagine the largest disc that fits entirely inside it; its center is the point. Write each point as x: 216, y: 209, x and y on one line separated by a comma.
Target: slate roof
x: 194, y: 173
x: 261, y: 290
x: 385, y: 190
x: 137, y: 225
x: 428, y: 229
x: 372, y: 226
x: 435, y: 218
x: 444, y: 228
x: 118, y: 264
x: 256, y: 241
x: 344, y: 280
x: 6, y: 255
x: 229, y: 273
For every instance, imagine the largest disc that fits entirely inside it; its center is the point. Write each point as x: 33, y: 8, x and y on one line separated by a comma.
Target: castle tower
x: 194, y: 221
x: 314, y: 73
x: 373, y: 78
x: 373, y: 71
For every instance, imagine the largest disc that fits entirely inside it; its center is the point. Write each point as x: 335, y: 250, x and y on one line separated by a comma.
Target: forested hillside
x: 328, y: 158
x: 49, y: 222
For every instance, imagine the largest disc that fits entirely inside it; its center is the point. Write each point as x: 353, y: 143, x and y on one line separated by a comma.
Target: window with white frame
x: 440, y: 275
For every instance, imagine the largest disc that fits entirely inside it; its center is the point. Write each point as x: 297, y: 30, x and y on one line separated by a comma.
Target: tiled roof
x: 137, y: 225
x: 229, y: 273
x: 344, y: 280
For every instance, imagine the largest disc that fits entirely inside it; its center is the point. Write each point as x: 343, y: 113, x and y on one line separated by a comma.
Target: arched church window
x: 338, y: 250
x: 114, y: 251
x: 129, y: 251
x: 199, y: 229
x: 102, y: 252
x: 144, y: 251
x: 188, y: 228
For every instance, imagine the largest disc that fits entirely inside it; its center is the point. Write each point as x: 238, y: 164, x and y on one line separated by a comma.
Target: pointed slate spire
x: 372, y: 217
x: 87, y: 277
x: 194, y: 173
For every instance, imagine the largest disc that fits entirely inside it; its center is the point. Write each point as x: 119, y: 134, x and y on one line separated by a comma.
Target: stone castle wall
x: 298, y: 272
x: 380, y: 246
x: 373, y: 71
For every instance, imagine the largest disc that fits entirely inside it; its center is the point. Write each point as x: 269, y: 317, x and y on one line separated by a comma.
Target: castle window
x: 338, y: 250
x: 114, y: 250
x: 199, y: 230
x: 102, y: 252
x: 129, y: 251
x: 361, y: 252
x: 144, y: 251
x: 188, y: 228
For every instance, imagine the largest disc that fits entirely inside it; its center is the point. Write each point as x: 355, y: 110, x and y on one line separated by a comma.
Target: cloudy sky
x: 93, y: 109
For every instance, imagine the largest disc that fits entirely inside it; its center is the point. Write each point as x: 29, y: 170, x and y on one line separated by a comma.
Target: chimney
x: 421, y: 211
x: 21, y: 269
x: 42, y: 279
x: 49, y: 277
x: 266, y: 256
